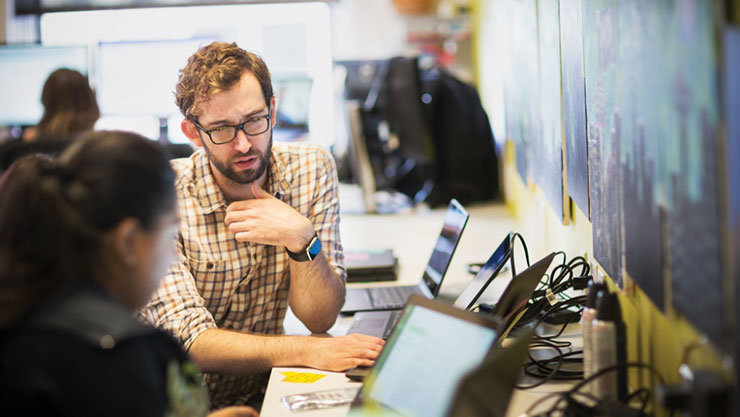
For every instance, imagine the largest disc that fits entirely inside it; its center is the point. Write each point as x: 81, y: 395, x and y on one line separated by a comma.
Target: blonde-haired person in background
x: 259, y: 232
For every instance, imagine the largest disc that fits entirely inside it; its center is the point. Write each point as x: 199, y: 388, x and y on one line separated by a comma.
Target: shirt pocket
x: 217, y: 282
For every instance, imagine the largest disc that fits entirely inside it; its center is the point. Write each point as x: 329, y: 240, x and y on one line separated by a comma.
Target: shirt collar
x: 210, y: 196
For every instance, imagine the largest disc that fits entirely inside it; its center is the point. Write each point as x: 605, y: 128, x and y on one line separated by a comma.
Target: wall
x: 366, y: 29
x: 16, y: 29
x: 4, y: 16
x: 661, y: 337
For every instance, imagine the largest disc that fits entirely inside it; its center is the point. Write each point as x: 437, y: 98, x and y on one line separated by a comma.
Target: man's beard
x: 243, y: 177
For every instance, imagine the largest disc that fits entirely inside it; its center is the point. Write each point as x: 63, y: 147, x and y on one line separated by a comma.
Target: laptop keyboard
x: 391, y: 297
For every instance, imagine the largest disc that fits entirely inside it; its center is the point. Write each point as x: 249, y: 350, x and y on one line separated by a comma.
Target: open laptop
x: 433, y: 346
x: 380, y: 323
x: 485, y: 276
x: 393, y: 297
x: 511, y: 305
x: 486, y: 390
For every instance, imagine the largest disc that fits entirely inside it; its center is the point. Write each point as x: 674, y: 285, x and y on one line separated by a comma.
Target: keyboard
x: 391, y: 298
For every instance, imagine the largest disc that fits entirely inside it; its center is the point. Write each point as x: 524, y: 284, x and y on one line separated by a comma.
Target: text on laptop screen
x: 454, y: 223
x: 425, y: 360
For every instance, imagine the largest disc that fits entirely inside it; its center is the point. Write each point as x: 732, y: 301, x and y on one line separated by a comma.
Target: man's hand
x: 342, y: 353
x: 267, y: 220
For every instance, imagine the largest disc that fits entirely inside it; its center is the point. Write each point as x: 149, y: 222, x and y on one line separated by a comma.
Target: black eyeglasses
x: 225, y: 134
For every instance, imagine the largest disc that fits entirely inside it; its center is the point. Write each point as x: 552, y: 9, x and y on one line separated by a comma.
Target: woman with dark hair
x: 70, y: 108
x: 69, y: 103
x: 85, y: 239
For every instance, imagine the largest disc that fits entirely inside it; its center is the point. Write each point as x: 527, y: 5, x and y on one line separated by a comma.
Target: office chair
x: 16, y: 149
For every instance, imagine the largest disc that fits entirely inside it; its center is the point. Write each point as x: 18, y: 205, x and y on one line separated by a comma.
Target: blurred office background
x: 324, y: 56
x: 613, y: 123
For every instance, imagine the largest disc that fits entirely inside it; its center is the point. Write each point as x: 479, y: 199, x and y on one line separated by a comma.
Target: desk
x: 412, y: 237
x: 277, y: 388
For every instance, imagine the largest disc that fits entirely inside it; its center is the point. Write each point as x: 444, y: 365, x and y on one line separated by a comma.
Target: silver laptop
x: 433, y: 346
x: 380, y: 323
x: 393, y: 297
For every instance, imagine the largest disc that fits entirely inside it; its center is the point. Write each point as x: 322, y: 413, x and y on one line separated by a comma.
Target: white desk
x: 412, y: 237
x: 276, y: 389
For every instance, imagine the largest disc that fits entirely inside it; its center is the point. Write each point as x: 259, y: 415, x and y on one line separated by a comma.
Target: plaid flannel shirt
x: 220, y: 282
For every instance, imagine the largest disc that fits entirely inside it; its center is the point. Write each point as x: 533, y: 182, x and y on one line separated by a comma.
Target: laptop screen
x: 486, y: 274
x: 454, y: 222
x: 425, y: 358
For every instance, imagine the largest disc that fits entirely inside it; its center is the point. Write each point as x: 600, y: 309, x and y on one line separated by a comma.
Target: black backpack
x: 466, y: 165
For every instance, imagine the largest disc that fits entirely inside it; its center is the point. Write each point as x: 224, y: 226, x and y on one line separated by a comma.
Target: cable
x: 541, y: 368
x: 524, y: 246
x: 568, y: 395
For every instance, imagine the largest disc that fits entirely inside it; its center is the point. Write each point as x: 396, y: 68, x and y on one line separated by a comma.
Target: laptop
x: 511, y: 305
x: 486, y: 390
x: 433, y: 346
x: 380, y: 323
x: 393, y: 297
x: 485, y: 276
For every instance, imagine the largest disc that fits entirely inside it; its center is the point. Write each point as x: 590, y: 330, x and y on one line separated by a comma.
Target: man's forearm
x: 316, y: 293
x: 230, y: 352
x: 234, y: 353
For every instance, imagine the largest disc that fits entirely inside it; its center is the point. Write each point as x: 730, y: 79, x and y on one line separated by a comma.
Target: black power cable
x: 569, y: 396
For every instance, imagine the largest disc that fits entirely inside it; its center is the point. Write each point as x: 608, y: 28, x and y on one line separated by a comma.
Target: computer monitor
x: 139, y: 78
x: 293, y: 96
x: 23, y: 72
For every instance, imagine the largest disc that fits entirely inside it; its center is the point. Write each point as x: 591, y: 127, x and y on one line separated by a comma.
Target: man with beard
x: 259, y: 231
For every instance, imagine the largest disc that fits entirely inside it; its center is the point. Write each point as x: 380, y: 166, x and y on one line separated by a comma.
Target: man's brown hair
x: 214, y: 68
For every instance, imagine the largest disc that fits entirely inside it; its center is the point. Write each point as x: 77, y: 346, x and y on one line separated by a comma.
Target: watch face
x: 315, y: 247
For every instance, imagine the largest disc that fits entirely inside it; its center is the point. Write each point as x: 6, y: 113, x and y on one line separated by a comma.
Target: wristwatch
x: 308, y: 254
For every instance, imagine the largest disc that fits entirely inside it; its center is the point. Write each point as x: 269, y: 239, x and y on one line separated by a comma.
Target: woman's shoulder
x: 66, y: 363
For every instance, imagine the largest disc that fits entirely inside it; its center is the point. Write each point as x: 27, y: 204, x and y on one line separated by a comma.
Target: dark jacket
x: 82, y: 354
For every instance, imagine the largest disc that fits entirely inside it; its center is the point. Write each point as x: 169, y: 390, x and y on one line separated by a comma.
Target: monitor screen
x: 139, y: 78
x: 293, y: 96
x: 424, y: 360
x: 23, y: 72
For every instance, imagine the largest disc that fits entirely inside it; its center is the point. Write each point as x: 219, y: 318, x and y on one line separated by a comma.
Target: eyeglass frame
x: 238, y: 127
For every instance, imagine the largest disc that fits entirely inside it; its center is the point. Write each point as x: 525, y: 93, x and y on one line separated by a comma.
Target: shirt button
x: 209, y: 265
x: 107, y: 342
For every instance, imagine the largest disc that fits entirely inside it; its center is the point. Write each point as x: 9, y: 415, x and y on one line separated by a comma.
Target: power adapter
x: 560, y: 316
x: 485, y: 308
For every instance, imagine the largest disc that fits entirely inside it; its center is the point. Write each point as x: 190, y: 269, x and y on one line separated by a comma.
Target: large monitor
x: 23, y: 72
x: 139, y: 78
x: 293, y: 95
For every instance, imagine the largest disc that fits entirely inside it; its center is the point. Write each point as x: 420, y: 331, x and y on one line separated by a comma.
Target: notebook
x: 365, y: 265
x: 380, y: 323
x: 394, y: 297
x: 433, y: 346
